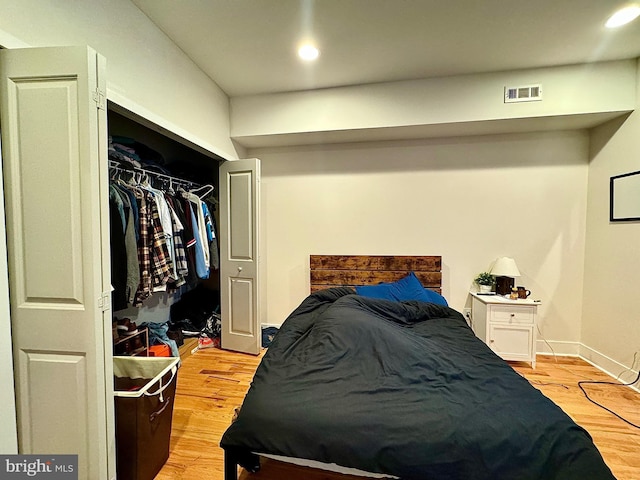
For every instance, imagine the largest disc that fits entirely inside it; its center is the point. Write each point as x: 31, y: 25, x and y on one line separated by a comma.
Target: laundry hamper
x: 144, y: 389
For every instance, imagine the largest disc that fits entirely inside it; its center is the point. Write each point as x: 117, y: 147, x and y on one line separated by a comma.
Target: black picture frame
x: 624, y: 197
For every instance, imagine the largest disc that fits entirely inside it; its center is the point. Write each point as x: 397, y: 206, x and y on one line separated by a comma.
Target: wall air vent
x: 525, y: 93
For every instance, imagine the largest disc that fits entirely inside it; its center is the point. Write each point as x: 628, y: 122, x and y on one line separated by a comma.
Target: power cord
x: 580, y: 383
x: 544, y: 384
x: 598, y: 382
x: 538, y: 382
x: 555, y: 357
x: 633, y: 364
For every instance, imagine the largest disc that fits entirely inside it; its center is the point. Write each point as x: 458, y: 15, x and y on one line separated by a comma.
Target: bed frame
x: 351, y: 270
x: 570, y: 450
x: 326, y: 271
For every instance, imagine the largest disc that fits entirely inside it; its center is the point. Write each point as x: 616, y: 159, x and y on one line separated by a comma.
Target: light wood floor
x: 212, y: 382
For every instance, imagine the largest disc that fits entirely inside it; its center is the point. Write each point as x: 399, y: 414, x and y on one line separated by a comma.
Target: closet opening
x: 164, y: 217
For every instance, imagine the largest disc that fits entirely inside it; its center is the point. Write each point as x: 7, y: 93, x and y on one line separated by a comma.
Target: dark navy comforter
x: 403, y: 389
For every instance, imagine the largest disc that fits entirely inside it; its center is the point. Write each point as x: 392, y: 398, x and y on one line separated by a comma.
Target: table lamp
x: 504, y: 269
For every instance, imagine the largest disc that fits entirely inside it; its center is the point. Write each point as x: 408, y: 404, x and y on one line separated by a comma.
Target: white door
x: 55, y: 173
x: 8, y: 428
x: 239, y: 258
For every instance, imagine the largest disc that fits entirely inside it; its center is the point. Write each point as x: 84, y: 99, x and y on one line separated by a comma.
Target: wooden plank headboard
x: 351, y: 270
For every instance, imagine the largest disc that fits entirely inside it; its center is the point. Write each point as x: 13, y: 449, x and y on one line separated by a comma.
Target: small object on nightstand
x: 504, y: 269
x: 523, y: 292
x: 514, y: 293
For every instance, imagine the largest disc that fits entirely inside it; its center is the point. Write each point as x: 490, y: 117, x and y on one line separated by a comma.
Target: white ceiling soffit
x: 458, y: 129
x: 249, y: 46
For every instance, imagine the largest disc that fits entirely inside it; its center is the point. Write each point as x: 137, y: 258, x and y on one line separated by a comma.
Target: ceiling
x: 249, y: 46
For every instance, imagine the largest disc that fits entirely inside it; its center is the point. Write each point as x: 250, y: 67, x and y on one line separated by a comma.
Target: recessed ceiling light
x: 623, y: 16
x: 308, y: 52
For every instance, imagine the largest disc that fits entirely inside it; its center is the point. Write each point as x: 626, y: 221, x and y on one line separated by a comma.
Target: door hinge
x: 100, y: 98
x: 104, y: 301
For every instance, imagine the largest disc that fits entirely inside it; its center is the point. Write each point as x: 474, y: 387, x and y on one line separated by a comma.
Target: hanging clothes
x: 179, y: 254
x: 200, y: 234
x: 163, y: 230
x: 168, y: 239
x: 214, y: 256
x: 118, y: 256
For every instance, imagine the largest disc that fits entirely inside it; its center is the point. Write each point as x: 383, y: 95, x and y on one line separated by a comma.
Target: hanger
x: 141, y: 178
x: 201, y: 196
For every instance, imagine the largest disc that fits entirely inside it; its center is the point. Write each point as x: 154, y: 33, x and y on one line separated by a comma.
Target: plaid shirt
x: 159, y: 252
x: 144, y: 252
x: 152, y: 249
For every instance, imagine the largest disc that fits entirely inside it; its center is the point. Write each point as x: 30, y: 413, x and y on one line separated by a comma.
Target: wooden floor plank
x: 212, y: 382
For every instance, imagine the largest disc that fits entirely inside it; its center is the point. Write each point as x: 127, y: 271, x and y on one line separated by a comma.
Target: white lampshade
x: 505, y: 267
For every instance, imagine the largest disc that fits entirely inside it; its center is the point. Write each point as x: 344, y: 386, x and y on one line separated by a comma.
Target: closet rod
x: 192, y: 185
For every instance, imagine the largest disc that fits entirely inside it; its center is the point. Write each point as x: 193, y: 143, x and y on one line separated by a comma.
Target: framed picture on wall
x: 624, y: 197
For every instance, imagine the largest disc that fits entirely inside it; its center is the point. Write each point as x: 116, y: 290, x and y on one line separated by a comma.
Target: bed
x: 364, y: 376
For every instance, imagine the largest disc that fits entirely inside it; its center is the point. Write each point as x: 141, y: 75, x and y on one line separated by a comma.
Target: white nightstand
x: 507, y: 326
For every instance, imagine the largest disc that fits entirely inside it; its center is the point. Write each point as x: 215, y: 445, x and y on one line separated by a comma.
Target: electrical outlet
x: 466, y: 313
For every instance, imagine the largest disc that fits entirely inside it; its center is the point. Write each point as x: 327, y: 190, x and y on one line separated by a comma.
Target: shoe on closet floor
x: 127, y: 327
x: 137, y: 346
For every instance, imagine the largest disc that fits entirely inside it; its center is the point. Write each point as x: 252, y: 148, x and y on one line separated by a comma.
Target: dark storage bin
x: 144, y: 389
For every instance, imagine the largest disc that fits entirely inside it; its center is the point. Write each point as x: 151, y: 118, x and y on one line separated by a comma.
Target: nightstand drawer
x: 514, y: 314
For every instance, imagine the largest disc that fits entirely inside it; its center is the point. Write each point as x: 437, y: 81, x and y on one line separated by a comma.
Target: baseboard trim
x: 599, y: 360
x: 609, y: 365
x: 555, y: 347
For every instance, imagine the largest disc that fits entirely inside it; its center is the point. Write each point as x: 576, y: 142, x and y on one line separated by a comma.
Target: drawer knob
x: 513, y: 314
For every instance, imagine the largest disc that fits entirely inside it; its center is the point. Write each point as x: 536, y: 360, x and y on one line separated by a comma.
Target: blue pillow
x: 382, y: 291
x: 407, y: 288
x: 435, y: 297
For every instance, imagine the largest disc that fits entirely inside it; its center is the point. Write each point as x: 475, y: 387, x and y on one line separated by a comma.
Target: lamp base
x: 504, y: 285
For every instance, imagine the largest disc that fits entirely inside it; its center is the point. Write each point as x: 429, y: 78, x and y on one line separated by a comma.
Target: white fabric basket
x: 153, y: 368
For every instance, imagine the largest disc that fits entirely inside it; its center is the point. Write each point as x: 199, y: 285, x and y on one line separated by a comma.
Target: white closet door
x: 239, y: 259
x: 55, y: 173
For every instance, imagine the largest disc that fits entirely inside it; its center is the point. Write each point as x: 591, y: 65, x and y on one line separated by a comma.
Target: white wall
x: 468, y: 199
x: 147, y: 73
x: 463, y: 104
x: 611, y: 319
